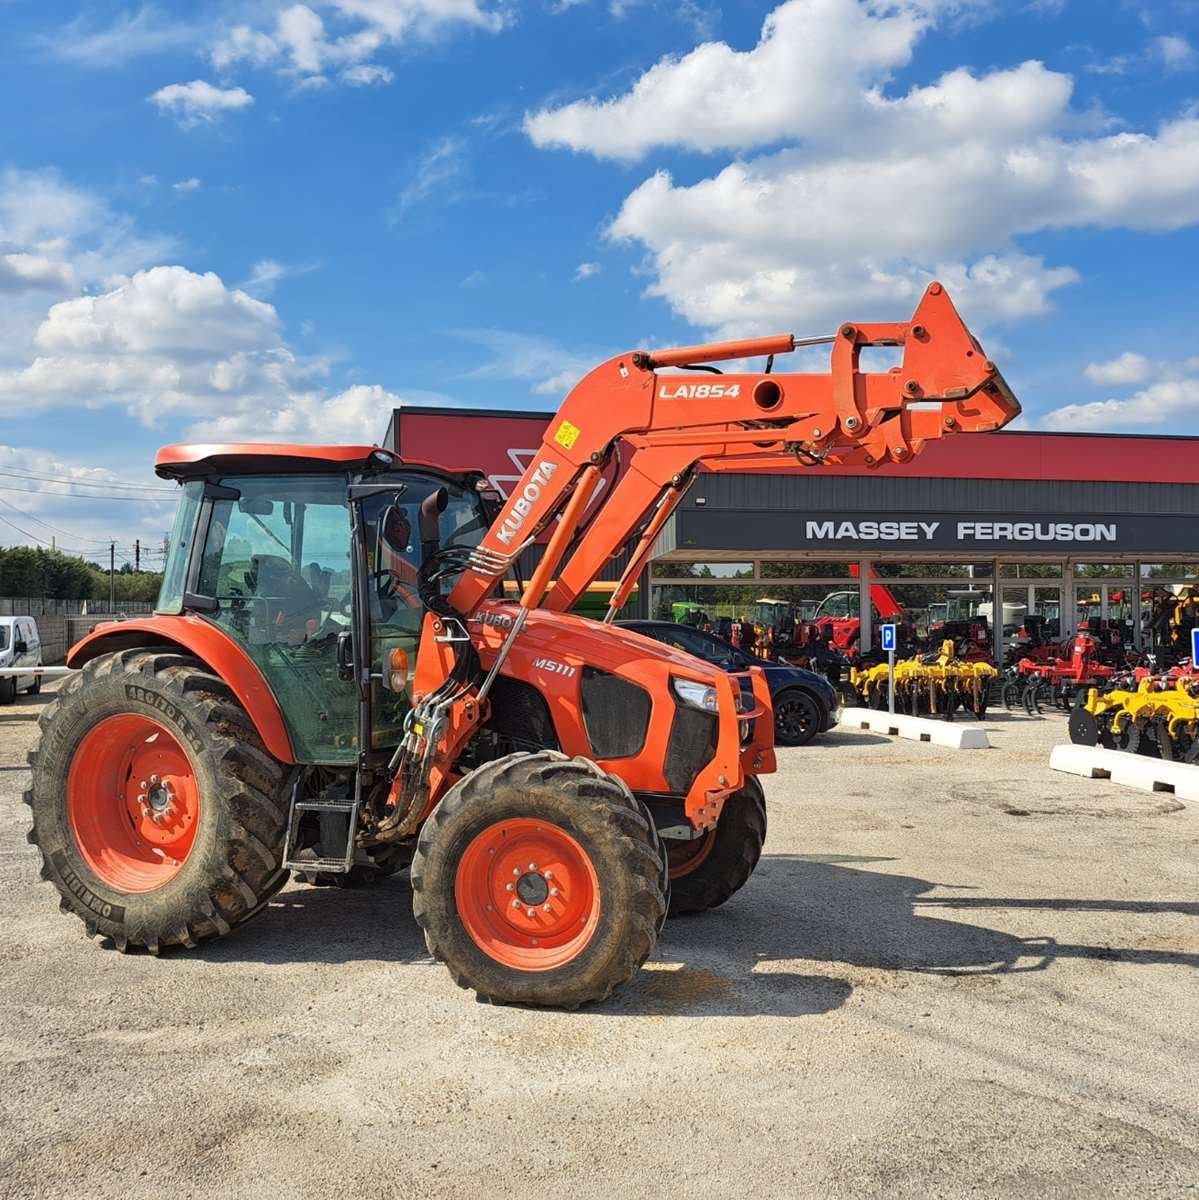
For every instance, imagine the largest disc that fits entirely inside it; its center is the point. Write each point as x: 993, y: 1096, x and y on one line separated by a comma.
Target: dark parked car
x: 805, y: 703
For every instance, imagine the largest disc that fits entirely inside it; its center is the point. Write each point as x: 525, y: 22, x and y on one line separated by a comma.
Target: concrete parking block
x: 1130, y: 770
x: 918, y: 729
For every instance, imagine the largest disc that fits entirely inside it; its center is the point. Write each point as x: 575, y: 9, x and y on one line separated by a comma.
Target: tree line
x: 26, y: 571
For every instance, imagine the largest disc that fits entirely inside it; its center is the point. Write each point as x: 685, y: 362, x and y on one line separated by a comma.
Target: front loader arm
x: 677, y: 423
x: 674, y: 424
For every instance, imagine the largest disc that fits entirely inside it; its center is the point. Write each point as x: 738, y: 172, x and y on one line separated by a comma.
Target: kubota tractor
x: 333, y: 683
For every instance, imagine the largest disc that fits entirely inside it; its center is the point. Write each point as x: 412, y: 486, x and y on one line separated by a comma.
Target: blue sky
x: 254, y: 219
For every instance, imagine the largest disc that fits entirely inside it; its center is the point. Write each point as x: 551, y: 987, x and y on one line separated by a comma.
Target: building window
x: 704, y: 570
x: 1179, y: 572
x: 1030, y: 570
x: 1090, y: 570
x: 786, y: 569
x: 932, y: 570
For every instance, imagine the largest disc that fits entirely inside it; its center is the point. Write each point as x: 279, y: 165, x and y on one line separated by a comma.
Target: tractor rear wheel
x: 158, y: 812
x: 708, y: 870
x: 537, y: 881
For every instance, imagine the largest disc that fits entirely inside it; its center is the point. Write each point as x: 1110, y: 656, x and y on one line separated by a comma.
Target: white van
x: 20, y: 646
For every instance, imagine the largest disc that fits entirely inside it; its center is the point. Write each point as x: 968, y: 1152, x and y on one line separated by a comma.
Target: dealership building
x: 1064, y: 526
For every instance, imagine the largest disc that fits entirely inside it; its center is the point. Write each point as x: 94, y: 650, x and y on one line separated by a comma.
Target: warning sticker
x: 567, y: 435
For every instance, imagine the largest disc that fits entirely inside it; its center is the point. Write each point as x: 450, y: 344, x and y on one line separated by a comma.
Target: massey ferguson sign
x: 964, y: 533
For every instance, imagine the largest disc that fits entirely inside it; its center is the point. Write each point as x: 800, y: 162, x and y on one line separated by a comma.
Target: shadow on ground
x: 736, y: 960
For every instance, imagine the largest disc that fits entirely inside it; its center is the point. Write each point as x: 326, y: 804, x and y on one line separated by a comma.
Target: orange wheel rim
x: 133, y: 802
x: 684, y: 857
x: 527, y: 894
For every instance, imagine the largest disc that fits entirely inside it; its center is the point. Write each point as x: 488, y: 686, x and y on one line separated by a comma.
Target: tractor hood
x: 568, y: 642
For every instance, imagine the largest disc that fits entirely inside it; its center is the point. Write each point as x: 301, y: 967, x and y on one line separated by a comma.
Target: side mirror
x: 395, y: 530
x: 20, y: 646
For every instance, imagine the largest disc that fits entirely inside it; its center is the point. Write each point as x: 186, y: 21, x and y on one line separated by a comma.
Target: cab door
x: 395, y: 543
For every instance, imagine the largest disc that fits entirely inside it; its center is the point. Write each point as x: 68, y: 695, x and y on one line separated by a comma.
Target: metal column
x: 1137, y: 638
x: 865, y: 611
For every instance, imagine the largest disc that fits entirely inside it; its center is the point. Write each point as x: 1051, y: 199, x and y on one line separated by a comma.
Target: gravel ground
x: 954, y: 973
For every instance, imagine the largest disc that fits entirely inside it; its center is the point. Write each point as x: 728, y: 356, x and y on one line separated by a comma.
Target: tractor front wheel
x: 537, y: 881
x: 159, y: 814
x: 708, y: 870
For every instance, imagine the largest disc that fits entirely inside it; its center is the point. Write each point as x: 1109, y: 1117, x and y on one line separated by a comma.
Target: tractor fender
x: 214, y: 648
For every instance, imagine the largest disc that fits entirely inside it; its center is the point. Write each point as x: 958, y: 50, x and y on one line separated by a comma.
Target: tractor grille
x: 519, y: 711
x: 615, y: 714
x: 691, y: 747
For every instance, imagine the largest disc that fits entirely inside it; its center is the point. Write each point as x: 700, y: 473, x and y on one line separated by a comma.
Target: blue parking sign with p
x: 888, y: 633
x: 1195, y: 645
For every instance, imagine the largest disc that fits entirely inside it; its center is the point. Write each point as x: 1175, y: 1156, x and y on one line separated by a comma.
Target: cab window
x: 277, y: 562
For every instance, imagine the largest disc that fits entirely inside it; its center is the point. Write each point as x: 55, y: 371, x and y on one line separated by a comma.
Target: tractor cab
x: 307, y: 557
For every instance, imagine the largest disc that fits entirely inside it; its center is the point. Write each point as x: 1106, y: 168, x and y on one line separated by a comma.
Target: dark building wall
x: 771, y: 513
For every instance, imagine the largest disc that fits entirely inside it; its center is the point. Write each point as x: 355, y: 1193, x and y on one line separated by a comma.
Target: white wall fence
x: 61, y: 630
x: 42, y: 606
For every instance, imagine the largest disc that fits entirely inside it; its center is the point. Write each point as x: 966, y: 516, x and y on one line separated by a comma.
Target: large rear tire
x: 158, y: 812
x: 709, y: 870
x: 536, y: 881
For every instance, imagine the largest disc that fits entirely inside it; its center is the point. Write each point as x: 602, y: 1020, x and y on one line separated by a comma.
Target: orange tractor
x: 333, y: 684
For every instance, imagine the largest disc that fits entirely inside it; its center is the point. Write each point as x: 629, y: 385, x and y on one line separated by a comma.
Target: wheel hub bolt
x: 516, y: 904
x: 553, y: 891
x: 528, y: 912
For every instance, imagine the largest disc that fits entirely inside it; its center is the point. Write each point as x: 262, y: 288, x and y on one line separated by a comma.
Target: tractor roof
x: 204, y: 458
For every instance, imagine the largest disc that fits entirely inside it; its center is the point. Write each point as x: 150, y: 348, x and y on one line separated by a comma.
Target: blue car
x: 805, y: 703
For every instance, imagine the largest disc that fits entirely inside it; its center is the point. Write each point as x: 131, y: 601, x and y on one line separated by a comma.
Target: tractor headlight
x: 696, y: 695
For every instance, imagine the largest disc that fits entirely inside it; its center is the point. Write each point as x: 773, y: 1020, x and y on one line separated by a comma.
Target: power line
x: 77, y: 537
x: 8, y: 487
x: 107, y: 483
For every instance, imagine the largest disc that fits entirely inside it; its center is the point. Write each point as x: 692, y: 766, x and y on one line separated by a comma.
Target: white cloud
x: 1169, y: 397
x: 199, y: 102
x: 131, y: 35
x: 810, y: 68
x: 548, y: 368
x: 1176, y: 53
x: 873, y: 192
x: 34, y: 271
x: 439, y: 172
x: 56, y: 240
x: 586, y: 270
x: 353, y: 416
x: 187, y: 185
x: 302, y: 45
x: 168, y: 344
x: 1128, y: 368
x: 366, y: 75
x: 1172, y: 404
x: 267, y: 274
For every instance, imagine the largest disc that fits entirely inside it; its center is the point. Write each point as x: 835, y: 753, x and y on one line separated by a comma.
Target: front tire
x: 158, y: 812
x: 709, y: 870
x: 797, y: 717
x: 536, y: 881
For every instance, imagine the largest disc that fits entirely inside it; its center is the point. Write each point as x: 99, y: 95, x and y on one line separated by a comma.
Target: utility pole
x: 137, y: 555
x: 112, y: 580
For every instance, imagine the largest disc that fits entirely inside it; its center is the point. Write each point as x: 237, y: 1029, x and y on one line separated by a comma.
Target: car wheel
x: 797, y: 718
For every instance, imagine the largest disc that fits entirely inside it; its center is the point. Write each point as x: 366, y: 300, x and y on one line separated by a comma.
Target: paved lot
x: 953, y: 974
